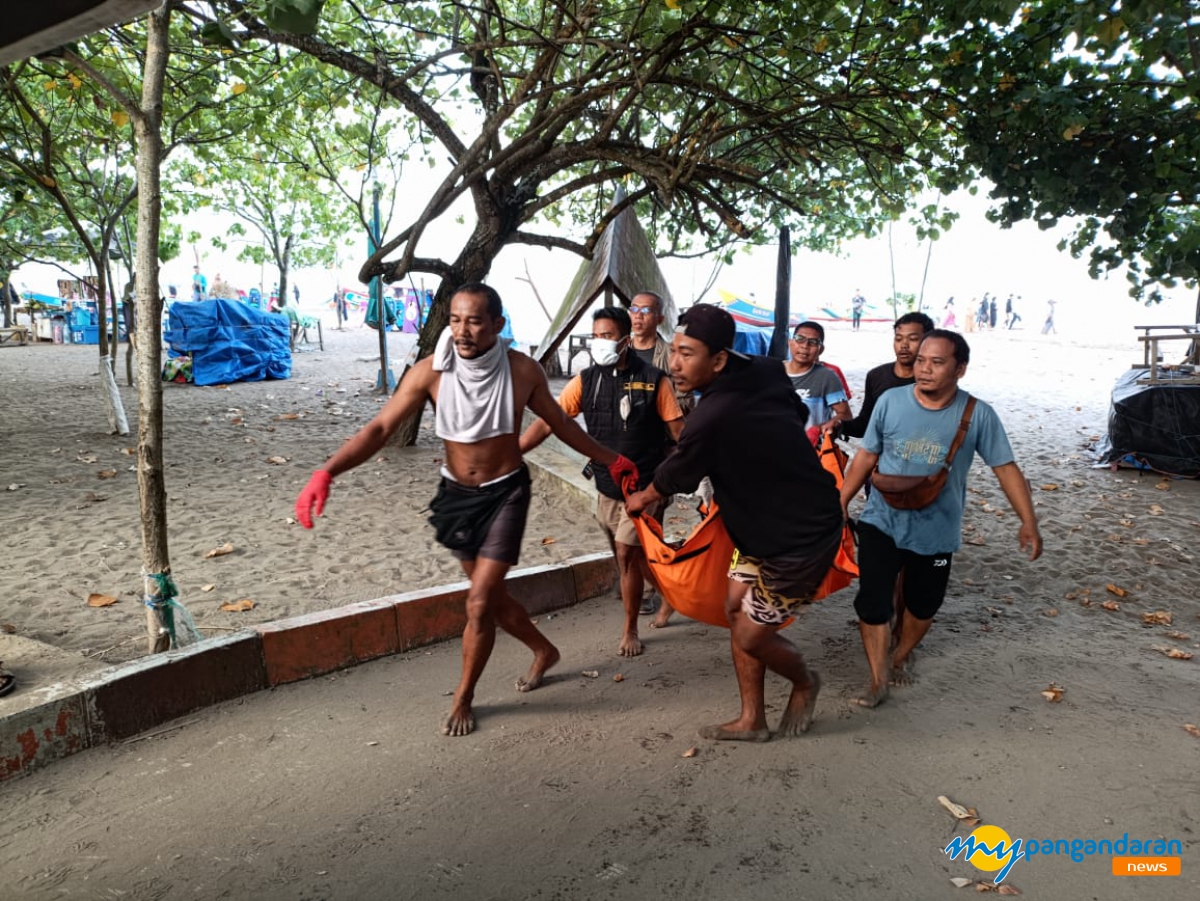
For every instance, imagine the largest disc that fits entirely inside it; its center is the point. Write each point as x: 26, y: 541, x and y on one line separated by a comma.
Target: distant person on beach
x: 858, y: 303
x: 948, y: 320
x: 981, y: 318
x: 1048, y: 326
x: 339, y: 304
x: 629, y: 405
x: 817, y: 385
x: 970, y: 316
x: 1013, y: 316
x: 479, y: 387
x: 781, y: 510
x: 907, y: 334
x: 992, y: 314
x: 199, y: 284
x: 911, y: 433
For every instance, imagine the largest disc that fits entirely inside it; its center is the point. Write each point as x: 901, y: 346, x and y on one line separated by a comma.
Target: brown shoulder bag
x: 916, y: 492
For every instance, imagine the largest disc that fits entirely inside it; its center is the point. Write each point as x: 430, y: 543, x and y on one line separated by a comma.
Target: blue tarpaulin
x: 230, y: 341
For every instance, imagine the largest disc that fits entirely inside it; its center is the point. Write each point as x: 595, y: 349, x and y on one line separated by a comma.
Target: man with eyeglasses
x: 817, y: 385
x: 646, y: 315
x: 628, y: 404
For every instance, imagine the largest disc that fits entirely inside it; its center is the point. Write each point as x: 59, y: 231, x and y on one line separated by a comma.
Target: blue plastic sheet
x: 230, y: 341
x: 750, y: 340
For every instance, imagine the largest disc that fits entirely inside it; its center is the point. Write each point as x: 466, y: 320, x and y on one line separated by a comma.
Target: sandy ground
x: 341, y: 787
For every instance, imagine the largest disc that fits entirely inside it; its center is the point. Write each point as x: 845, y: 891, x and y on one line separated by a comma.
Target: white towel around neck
x: 475, y: 396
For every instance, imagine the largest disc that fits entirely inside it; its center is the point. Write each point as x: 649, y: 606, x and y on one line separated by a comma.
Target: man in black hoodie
x: 780, y: 507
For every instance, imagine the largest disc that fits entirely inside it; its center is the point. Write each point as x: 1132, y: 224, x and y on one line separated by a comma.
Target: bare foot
x: 799, y: 713
x: 461, y: 721
x: 541, y: 664
x: 662, y: 619
x: 873, y: 697
x: 630, y: 646
x: 902, y: 671
x: 734, y: 732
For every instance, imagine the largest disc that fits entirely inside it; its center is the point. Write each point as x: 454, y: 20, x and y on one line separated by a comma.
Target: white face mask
x: 605, y: 352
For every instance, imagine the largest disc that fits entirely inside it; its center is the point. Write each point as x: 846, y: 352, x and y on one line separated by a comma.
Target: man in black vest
x: 630, y: 406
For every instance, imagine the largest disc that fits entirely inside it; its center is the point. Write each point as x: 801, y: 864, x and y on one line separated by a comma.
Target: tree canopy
x: 1086, y: 108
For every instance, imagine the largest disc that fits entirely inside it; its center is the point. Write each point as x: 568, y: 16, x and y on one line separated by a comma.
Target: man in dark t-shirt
x: 780, y: 507
x: 909, y: 330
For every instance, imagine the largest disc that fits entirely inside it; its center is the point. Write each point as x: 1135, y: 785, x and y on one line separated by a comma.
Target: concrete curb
x: 142, y: 694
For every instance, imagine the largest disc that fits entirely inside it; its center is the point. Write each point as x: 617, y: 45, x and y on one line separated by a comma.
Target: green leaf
x: 217, y: 34
x: 293, y: 16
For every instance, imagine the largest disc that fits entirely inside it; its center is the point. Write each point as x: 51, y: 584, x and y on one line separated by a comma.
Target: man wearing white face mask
x: 629, y: 406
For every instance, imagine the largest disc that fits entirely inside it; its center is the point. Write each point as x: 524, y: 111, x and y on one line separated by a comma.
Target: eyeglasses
x: 645, y: 311
x: 811, y: 342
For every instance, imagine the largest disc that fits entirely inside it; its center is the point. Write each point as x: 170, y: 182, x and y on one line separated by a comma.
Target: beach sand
x: 70, y: 531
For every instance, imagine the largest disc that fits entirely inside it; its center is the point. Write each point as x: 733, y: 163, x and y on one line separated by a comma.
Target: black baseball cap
x: 711, y: 325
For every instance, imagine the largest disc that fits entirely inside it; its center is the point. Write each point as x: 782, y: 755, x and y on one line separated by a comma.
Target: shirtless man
x: 480, y: 388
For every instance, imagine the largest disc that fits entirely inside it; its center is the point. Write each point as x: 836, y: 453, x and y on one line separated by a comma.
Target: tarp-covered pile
x: 230, y: 341
x: 1154, y: 425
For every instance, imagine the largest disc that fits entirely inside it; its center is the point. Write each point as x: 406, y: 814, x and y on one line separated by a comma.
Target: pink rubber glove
x: 313, y: 498
x: 622, y: 470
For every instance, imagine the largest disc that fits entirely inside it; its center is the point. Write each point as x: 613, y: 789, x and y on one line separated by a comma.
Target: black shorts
x: 880, y: 562
x: 485, y: 521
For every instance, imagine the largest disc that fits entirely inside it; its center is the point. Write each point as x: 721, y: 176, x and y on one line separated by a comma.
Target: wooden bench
x: 1150, y: 338
x: 18, y: 333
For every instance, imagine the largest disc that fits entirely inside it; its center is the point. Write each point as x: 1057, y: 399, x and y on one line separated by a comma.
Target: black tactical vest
x: 642, y: 435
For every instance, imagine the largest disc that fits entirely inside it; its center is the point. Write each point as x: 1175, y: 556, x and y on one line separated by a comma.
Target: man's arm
x: 841, y: 413
x: 542, y: 402
x: 857, y: 427
x: 857, y: 473
x: 1016, y: 489
x: 370, y: 439
x: 533, y: 436
x: 675, y: 428
x: 414, y: 391
x: 571, y: 403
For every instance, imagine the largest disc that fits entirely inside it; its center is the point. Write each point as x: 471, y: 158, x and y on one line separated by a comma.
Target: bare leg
x: 751, y: 724
x: 663, y: 618
x: 875, y: 642
x: 910, y: 637
x: 630, y: 559
x: 783, y: 658
x: 488, y: 604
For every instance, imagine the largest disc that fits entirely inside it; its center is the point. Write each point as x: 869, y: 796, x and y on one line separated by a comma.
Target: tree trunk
x: 6, y: 295
x: 285, y: 264
x: 156, y: 563
x: 114, y: 409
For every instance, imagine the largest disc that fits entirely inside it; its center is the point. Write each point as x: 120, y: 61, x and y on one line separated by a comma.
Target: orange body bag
x: 694, y: 577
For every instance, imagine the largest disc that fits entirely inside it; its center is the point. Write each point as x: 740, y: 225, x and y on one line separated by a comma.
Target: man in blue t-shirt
x: 909, y: 434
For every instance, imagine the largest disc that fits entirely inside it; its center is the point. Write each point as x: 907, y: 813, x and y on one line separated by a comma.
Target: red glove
x: 622, y: 470
x: 313, y: 497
